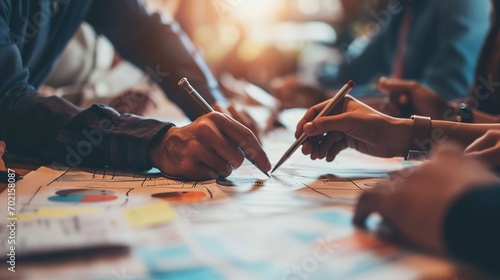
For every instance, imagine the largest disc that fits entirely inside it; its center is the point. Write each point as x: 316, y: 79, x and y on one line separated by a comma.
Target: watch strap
x: 421, y: 131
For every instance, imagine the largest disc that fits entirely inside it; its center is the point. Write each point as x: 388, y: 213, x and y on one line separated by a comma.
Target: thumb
x: 341, y: 123
x: 386, y: 85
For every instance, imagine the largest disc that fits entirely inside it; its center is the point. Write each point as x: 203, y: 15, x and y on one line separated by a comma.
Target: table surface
x: 116, y: 264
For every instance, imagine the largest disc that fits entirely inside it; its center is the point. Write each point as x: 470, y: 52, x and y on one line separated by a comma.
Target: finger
x: 242, y: 137
x: 310, y: 144
x: 315, y: 141
x: 370, y: 202
x: 327, y: 143
x: 335, y: 150
x: 309, y: 116
x: 341, y: 123
x: 482, y: 143
x: 219, y: 108
x: 227, y: 151
x: 243, y: 118
x: 214, y: 162
x: 201, y: 173
x: 491, y: 156
x: 387, y: 86
x: 307, y: 148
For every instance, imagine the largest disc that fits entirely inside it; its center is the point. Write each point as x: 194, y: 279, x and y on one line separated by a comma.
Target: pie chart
x: 83, y: 196
x: 180, y: 196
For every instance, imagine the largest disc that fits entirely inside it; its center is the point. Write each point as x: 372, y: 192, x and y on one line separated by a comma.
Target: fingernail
x: 308, y: 127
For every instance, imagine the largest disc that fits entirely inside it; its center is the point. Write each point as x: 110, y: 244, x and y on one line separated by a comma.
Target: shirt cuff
x: 100, y: 136
x: 131, y: 141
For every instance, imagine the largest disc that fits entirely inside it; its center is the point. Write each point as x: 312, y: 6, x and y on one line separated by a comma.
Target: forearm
x: 440, y: 133
x: 480, y: 117
x: 52, y: 129
x: 463, y: 133
x: 162, y: 50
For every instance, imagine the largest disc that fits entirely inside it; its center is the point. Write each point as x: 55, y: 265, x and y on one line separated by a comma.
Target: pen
x: 207, y: 108
x: 333, y: 102
x: 4, y: 177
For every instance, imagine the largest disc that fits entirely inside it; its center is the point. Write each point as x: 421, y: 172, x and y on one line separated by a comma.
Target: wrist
x: 402, y: 128
x: 418, y: 147
x: 155, y: 147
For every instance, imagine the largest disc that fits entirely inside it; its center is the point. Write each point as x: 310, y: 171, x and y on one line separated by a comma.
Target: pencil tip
x: 182, y: 81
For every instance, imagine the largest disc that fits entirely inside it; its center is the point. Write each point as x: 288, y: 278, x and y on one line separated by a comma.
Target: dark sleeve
x: 162, y: 50
x: 51, y: 128
x: 362, y: 65
x: 472, y: 229
x: 461, y: 27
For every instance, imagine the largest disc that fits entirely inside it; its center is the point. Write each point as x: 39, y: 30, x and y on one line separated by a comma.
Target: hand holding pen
x: 256, y: 160
x: 210, y: 147
x: 324, y: 109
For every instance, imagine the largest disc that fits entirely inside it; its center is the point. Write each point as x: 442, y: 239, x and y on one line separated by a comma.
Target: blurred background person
x: 436, y: 43
x: 482, y: 104
x: 91, y: 71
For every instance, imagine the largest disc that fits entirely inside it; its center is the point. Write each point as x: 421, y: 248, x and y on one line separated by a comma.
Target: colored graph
x: 83, y: 196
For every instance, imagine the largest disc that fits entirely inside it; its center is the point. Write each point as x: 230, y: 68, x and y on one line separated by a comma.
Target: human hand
x: 292, y: 93
x: 408, y: 98
x: 208, y: 148
x: 486, y: 148
x: 353, y: 124
x: 414, y: 208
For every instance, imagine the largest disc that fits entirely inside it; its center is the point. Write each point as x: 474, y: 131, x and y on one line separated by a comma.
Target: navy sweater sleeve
x: 472, y: 229
x: 51, y: 128
x: 162, y: 50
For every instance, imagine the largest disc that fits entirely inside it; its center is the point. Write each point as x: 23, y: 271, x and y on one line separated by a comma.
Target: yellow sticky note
x: 62, y: 212
x: 149, y: 215
x: 26, y: 216
x: 55, y: 212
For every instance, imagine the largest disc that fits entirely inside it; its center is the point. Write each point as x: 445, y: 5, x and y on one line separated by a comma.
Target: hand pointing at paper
x: 207, y: 148
x: 355, y: 125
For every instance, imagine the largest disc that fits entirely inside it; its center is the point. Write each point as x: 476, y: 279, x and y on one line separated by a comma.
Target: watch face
x: 465, y: 114
x: 416, y: 155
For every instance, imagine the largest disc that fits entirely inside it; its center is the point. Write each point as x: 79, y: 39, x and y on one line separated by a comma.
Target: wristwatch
x: 418, y: 148
x: 465, y: 113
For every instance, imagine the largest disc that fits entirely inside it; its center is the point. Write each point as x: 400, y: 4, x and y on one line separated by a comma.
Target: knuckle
x: 205, y: 127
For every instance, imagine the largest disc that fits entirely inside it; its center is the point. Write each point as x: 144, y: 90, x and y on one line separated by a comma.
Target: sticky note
x: 61, y: 212
x: 149, y: 215
x: 55, y: 212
